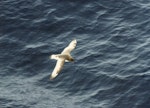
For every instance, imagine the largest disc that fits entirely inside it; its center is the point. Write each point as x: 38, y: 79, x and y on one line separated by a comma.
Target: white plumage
x: 62, y: 58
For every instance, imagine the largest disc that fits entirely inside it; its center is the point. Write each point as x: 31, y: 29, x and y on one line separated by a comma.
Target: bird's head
x: 53, y: 56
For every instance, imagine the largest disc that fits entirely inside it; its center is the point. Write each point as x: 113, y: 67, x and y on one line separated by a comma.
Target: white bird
x: 62, y: 58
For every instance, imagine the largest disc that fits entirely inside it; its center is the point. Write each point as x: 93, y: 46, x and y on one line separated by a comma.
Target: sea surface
x: 112, y: 56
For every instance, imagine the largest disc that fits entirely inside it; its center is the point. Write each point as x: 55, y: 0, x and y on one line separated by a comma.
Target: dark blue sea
x: 112, y: 56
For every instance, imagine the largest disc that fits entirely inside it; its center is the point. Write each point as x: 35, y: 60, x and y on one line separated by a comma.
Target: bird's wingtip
x: 75, y: 40
x: 51, y: 77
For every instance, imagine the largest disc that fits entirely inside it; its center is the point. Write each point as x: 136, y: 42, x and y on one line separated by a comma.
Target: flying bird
x: 65, y: 56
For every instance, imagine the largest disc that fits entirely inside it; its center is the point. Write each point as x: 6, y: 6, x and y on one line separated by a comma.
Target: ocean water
x: 112, y: 57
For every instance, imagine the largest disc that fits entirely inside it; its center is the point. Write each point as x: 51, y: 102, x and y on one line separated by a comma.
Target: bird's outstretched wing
x: 70, y: 47
x: 57, y: 69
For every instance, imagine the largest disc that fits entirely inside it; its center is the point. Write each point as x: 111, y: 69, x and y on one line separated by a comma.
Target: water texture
x: 112, y: 57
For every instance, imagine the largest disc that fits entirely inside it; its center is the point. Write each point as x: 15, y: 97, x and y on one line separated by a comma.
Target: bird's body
x: 67, y: 57
x: 62, y: 58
